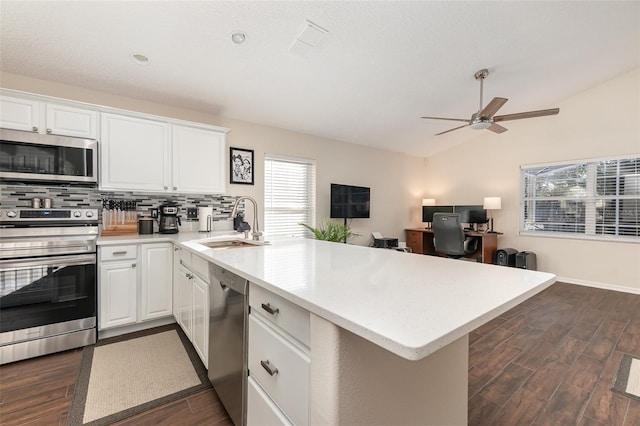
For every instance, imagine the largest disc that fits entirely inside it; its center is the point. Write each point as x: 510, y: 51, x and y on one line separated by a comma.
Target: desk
x: 420, y: 241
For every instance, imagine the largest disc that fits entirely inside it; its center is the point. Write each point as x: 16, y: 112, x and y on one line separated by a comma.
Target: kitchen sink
x: 229, y: 244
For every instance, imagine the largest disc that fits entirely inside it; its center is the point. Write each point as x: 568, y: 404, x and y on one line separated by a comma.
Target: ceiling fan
x: 485, y: 119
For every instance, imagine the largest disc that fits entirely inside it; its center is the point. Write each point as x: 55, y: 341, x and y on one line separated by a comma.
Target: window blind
x: 591, y: 198
x: 289, y: 194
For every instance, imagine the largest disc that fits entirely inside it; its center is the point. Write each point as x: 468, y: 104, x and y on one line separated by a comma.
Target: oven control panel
x: 44, y: 215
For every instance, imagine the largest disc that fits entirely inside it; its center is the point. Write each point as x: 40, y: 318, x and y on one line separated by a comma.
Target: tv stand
x: 420, y: 241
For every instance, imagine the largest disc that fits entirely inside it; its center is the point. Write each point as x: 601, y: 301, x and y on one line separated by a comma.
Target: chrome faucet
x: 256, y: 229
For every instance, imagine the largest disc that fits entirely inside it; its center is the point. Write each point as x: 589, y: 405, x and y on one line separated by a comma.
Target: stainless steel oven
x: 48, y: 158
x: 47, y: 281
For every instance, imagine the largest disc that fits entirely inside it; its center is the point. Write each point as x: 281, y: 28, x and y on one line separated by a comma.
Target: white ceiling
x: 380, y: 67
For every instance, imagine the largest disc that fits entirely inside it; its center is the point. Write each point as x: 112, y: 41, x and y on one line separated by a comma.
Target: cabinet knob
x: 133, y: 265
x: 175, y: 188
x: 270, y: 309
x: 49, y: 131
x: 271, y: 370
x: 34, y: 128
x: 166, y: 187
x: 176, y: 249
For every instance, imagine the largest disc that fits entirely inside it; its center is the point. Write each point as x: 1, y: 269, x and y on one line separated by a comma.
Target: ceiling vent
x: 309, y: 37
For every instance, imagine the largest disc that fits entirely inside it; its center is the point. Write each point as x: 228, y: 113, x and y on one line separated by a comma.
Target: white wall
x: 396, y: 180
x: 603, y: 121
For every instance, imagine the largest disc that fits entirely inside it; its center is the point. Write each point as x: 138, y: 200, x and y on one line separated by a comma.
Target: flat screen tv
x: 428, y: 211
x: 471, y: 214
x: 350, y: 202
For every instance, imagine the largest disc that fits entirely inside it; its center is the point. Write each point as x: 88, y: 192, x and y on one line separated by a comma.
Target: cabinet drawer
x: 291, y: 318
x: 289, y: 386
x: 200, y: 266
x: 118, y: 252
x: 260, y: 409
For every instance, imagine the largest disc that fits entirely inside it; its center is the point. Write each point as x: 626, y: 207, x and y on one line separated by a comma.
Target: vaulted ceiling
x: 367, y: 80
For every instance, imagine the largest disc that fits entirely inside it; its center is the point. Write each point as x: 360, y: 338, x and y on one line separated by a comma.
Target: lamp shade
x: 492, y: 203
x: 428, y: 201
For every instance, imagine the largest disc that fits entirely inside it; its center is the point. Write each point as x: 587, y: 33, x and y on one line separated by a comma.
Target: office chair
x: 449, y: 238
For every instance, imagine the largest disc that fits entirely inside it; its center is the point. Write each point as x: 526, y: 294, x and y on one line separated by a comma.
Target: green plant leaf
x: 331, y: 231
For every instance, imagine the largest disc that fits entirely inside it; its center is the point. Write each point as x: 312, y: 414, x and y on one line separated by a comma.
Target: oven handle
x: 45, y: 261
x: 84, y: 245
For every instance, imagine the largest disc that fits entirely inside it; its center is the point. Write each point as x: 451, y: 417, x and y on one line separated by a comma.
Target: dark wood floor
x: 548, y: 361
x: 552, y: 359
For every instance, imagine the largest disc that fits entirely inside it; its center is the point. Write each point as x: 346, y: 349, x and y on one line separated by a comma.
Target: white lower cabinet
x: 185, y: 300
x: 279, y: 361
x: 192, y: 307
x: 117, y: 282
x: 260, y: 409
x: 134, y: 284
x: 200, y: 332
x: 156, y: 289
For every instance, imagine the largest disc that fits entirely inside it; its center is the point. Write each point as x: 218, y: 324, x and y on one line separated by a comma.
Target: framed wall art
x: 241, y: 166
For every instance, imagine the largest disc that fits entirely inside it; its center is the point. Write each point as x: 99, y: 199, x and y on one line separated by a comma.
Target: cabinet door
x: 134, y: 154
x: 176, y: 278
x: 68, y: 121
x: 19, y: 114
x: 117, y: 284
x: 200, y: 336
x: 260, y: 409
x: 156, y: 277
x: 198, y: 160
x: 185, y: 299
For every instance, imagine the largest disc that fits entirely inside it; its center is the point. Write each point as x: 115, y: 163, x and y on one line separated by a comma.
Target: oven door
x: 46, y: 296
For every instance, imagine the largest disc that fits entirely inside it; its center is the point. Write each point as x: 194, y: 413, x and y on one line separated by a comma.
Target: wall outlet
x: 154, y: 213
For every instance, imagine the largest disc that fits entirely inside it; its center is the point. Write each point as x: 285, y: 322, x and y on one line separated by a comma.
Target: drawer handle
x: 269, y: 309
x: 115, y: 253
x: 271, y: 370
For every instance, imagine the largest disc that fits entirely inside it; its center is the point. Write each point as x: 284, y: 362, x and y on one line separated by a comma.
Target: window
x: 289, y: 195
x: 595, y: 199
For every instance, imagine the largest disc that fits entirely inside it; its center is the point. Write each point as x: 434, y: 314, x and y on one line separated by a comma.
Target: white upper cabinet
x: 138, y: 152
x: 56, y: 119
x: 70, y: 121
x: 198, y: 160
x: 19, y: 114
x: 134, y: 154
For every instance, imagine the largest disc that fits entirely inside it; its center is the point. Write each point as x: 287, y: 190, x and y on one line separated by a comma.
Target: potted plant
x: 331, y: 231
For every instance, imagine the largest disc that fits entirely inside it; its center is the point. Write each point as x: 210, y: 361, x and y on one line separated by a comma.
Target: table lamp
x: 492, y: 203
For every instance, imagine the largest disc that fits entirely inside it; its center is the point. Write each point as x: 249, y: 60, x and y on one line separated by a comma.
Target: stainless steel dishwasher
x: 228, y: 340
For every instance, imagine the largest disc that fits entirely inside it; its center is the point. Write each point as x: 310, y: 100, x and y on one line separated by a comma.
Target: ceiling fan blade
x: 496, y: 128
x: 450, y: 119
x: 492, y: 107
x: 451, y: 130
x: 529, y: 114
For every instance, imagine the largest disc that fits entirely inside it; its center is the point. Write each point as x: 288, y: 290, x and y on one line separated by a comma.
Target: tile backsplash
x: 16, y: 195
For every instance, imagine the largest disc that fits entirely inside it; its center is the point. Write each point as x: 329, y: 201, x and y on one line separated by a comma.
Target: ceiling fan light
x: 479, y: 125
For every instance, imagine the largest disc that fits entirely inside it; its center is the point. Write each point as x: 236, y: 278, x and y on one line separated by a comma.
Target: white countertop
x: 409, y: 304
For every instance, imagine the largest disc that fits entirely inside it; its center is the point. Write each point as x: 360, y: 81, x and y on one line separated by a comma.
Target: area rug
x: 627, y: 380
x: 126, y: 375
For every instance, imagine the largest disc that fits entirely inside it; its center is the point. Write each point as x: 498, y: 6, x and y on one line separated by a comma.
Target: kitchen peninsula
x: 388, y: 331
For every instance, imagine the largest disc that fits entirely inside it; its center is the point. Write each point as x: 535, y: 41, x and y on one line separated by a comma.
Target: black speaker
x: 506, y: 257
x: 526, y: 260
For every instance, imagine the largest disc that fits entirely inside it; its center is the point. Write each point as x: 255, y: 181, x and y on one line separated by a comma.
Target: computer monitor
x: 428, y: 211
x: 471, y: 214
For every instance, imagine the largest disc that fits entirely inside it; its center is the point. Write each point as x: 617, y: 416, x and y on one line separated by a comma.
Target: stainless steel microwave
x: 27, y: 156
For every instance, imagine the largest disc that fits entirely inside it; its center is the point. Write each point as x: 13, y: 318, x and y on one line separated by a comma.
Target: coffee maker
x: 168, y: 220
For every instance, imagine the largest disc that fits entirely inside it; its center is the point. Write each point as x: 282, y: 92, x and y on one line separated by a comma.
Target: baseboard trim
x: 112, y: 332
x: 603, y: 286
